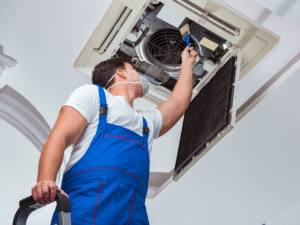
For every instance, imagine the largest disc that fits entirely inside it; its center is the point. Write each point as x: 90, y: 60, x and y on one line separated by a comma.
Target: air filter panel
x: 208, y: 114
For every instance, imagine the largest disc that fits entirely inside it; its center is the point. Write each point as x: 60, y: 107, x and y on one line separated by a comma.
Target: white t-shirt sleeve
x: 83, y: 100
x: 155, y: 118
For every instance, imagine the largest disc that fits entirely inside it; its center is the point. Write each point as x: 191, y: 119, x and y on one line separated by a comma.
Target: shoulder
x: 84, y: 99
x: 87, y: 88
x: 87, y: 92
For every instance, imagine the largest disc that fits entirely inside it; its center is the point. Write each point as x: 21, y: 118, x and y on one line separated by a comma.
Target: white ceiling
x: 251, y: 177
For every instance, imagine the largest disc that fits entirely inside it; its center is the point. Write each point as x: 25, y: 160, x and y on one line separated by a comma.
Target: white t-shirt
x: 85, y: 99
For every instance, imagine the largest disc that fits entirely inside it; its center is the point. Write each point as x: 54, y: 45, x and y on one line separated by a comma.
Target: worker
x: 106, y: 178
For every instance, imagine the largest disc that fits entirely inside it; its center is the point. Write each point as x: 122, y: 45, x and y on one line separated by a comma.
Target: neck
x: 128, y: 93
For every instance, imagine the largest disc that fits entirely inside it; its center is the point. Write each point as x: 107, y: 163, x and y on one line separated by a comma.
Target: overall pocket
x: 125, y: 139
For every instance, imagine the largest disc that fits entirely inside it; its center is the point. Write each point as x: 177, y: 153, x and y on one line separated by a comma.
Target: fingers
x: 192, y: 50
x: 187, y: 56
x: 34, y: 193
x: 64, y: 193
x: 188, y: 48
x: 45, y: 192
x: 192, y: 53
x: 37, y: 193
x: 52, y: 187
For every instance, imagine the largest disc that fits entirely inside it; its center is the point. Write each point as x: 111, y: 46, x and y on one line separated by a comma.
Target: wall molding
x: 22, y: 115
x: 6, y: 61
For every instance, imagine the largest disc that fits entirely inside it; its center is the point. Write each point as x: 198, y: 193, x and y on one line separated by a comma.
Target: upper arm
x: 171, y: 111
x: 69, y: 125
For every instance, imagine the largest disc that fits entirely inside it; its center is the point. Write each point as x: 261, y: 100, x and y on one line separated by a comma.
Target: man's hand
x: 188, y: 57
x: 45, y: 192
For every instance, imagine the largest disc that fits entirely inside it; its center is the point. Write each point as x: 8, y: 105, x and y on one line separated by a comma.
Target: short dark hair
x: 104, y: 71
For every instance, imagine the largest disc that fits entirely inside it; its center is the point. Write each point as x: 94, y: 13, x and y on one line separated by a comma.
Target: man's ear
x: 120, y: 72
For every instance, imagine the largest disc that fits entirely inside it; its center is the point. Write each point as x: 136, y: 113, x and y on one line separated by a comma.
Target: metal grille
x: 166, y: 46
x: 212, y: 35
x: 207, y: 114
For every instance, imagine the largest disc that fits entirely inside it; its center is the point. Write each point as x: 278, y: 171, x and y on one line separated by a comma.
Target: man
x: 107, y: 175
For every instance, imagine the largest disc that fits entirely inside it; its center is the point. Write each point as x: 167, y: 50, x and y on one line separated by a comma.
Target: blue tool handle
x: 186, y: 39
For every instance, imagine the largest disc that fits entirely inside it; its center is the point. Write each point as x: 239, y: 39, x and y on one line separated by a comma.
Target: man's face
x: 134, y: 76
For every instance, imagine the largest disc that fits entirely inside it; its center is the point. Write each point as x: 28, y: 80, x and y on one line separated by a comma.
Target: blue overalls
x: 109, y: 184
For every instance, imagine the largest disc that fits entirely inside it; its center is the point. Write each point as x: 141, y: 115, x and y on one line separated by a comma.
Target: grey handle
x: 28, y: 205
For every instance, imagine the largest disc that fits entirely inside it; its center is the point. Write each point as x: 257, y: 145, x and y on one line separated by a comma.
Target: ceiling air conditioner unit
x: 228, y: 47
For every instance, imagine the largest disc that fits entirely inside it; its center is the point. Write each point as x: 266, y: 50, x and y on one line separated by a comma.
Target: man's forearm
x: 184, y: 86
x: 51, y: 158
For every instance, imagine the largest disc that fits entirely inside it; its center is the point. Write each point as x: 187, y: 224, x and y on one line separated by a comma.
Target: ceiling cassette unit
x: 147, y: 33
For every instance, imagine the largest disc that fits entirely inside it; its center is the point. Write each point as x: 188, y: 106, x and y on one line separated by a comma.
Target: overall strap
x: 103, y: 105
x: 103, y: 110
x: 145, y: 127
